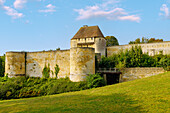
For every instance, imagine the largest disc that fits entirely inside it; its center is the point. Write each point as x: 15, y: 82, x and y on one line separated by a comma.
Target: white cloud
x: 40, y: 0
x: 12, y: 12
x: 130, y: 18
x: 164, y: 8
x: 49, y: 8
x: 19, y: 4
x: 2, y: 2
x: 108, y: 2
x: 103, y: 10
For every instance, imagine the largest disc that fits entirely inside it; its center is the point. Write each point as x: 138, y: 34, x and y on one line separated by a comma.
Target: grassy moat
x: 150, y: 94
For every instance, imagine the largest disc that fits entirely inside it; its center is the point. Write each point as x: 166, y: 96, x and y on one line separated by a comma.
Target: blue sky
x: 35, y: 25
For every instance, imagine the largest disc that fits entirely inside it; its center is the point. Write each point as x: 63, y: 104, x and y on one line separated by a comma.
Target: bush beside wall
x: 22, y: 87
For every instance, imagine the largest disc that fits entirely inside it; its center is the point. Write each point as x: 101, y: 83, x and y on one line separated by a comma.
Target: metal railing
x: 108, y: 70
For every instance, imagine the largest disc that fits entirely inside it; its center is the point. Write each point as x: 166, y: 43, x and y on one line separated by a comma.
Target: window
x: 91, y: 38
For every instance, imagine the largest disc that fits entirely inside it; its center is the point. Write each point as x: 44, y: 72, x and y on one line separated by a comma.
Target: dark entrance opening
x: 112, y: 78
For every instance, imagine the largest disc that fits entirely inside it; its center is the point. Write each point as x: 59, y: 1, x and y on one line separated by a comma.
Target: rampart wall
x: 35, y: 62
x: 129, y: 74
x: 149, y: 48
x: 32, y: 63
x: 76, y: 63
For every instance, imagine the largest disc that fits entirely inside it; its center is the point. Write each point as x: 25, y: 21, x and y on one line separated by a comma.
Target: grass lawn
x: 145, y: 95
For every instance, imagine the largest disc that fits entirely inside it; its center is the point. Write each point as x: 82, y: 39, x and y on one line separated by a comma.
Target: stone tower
x: 15, y: 64
x: 82, y: 63
x: 90, y: 36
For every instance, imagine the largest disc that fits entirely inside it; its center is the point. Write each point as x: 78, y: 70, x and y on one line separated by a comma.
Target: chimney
x: 85, y: 25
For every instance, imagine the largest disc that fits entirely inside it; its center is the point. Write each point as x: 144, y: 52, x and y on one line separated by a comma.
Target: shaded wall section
x: 15, y: 64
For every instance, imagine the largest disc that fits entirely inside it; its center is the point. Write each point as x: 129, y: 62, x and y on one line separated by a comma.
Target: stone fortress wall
x: 75, y: 63
x: 36, y: 61
x: 149, y: 48
x: 129, y: 74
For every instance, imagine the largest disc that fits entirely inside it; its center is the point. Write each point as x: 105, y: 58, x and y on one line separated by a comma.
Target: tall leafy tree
x: 145, y: 40
x: 2, y: 65
x: 111, y: 41
x: 135, y: 58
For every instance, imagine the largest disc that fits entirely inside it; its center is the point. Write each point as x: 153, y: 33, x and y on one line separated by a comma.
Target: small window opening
x: 21, y: 67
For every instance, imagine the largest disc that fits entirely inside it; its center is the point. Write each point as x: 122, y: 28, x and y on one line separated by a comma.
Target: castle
x: 75, y: 63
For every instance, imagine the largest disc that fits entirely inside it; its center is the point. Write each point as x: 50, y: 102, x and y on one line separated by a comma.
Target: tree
x: 2, y: 65
x: 151, y: 40
x: 57, y: 69
x: 145, y: 40
x: 95, y: 80
x: 111, y: 41
x: 46, y: 71
x: 137, y: 41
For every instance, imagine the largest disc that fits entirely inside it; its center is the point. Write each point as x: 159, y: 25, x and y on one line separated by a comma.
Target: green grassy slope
x: 145, y: 95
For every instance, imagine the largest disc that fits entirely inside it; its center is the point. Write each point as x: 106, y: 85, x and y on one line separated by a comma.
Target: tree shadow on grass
x: 114, y: 103
x: 118, y: 103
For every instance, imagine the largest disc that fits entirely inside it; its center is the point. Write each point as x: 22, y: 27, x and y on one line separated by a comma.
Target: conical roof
x: 88, y: 31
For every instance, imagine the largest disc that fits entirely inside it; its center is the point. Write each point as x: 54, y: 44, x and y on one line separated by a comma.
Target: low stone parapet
x: 129, y: 74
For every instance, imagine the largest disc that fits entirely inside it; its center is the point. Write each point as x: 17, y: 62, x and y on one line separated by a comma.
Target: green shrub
x: 4, y: 79
x: 2, y: 65
x: 46, y: 71
x: 64, y: 85
x: 135, y: 58
x: 95, y: 80
x: 11, y: 87
x: 24, y: 87
x: 57, y: 69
